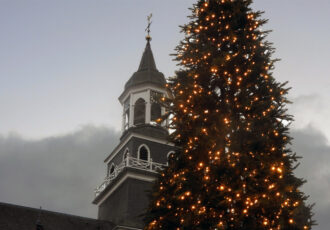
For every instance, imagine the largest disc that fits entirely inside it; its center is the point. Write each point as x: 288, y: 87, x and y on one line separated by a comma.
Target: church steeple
x: 147, y: 72
x: 141, y: 91
x: 147, y: 60
x: 143, y: 149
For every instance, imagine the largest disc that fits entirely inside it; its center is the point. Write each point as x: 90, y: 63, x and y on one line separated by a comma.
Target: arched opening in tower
x: 144, y: 154
x: 156, y: 111
x: 139, y: 111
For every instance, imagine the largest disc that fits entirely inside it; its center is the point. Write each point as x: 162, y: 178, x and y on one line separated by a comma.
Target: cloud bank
x: 313, y: 146
x: 57, y: 173
x: 60, y: 173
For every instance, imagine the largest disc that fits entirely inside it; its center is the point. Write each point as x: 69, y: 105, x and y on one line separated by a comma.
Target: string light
x: 228, y: 122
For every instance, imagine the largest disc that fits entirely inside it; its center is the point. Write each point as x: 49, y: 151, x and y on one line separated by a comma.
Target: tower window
x: 139, y: 111
x: 170, y: 156
x: 156, y: 111
x: 143, y: 153
x: 111, y: 168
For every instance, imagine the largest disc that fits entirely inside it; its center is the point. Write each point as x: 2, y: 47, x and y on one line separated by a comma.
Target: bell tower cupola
x: 140, y: 99
x: 143, y: 149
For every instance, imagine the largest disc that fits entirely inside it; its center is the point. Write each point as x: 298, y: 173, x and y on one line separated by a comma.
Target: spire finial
x: 148, y: 37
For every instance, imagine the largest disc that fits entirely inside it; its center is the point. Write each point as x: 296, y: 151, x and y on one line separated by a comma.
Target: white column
x: 123, y: 122
x: 163, y: 113
x: 131, y: 111
x: 148, y: 108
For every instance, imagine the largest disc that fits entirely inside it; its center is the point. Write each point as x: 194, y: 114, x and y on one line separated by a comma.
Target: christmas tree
x: 233, y: 168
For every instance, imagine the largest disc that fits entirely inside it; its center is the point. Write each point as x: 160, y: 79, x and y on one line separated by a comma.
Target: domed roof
x: 147, y: 72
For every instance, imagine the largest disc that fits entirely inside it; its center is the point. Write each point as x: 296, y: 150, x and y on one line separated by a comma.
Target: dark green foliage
x: 234, y: 169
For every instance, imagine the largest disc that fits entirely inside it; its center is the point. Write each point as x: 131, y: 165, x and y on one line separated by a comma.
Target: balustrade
x: 129, y: 162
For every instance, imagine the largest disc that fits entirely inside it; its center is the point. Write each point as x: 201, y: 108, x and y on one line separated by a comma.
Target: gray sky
x: 63, y: 65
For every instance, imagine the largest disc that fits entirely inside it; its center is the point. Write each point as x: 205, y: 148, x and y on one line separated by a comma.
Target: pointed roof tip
x: 147, y: 61
x: 147, y: 72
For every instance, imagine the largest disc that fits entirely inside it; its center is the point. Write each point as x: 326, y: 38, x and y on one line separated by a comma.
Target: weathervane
x: 148, y: 27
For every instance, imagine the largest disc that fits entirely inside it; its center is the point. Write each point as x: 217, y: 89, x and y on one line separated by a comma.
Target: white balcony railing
x: 129, y: 162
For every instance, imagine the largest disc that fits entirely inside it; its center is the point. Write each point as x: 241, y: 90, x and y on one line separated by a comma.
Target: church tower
x: 143, y: 149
